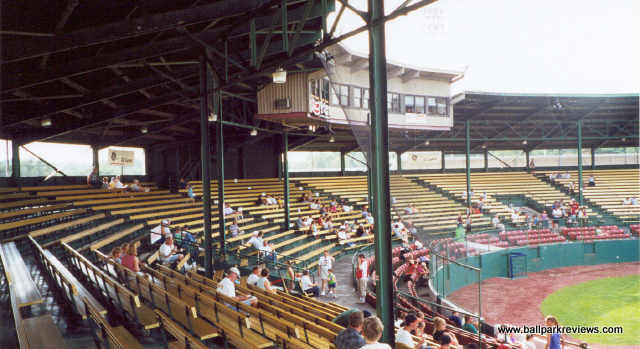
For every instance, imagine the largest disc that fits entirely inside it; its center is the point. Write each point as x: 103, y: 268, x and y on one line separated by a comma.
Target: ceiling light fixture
x: 253, y: 132
x: 484, y: 146
x: 213, y: 117
x: 279, y: 76
x: 427, y: 142
x: 144, y: 130
x: 525, y: 142
x: 46, y: 122
x: 332, y: 139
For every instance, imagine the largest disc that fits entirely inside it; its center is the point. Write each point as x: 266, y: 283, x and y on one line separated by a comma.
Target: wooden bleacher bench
x: 269, y: 320
x: 70, y: 238
x: 23, y: 203
x: 115, y: 337
x: 41, y: 332
x: 182, y: 338
x: 24, y: 291
x: 119, y: 296
x: 41, y: 219
x: 71, y: 288
x: 108, y: 201
x: 114, y: 237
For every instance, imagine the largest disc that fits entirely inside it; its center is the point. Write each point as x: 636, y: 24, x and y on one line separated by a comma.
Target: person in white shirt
x: 254, y: 276
x: 626, y: 201
x: 634, y: 201
x: 307, y: 285
x: 362, y: 277
x: 228, y: 210
x: 227, y: 287
x: 370, y: 219
x: 372, y: 331
x: 160, y: 232
x: 168, y: 252
x: 324, y: 264
x: 256, y: 241
x: 117, y: 184
x: 403, y: 335
x: 264, y: 283
x: 347, y: 208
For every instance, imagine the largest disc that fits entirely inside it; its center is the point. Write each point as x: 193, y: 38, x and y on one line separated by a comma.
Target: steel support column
x: 217, y: 108
x: 467, y: 129
x: 580, y: 184
x: 15, y: 161
x: 399, y: 162
x: 442, y: 164
x: 285, y: 172
x: 342, y: 163
x: 526, y: 159
x: 94, y: 153
x: 486, y: 160
x: 205, y: 158
x: 380, y: 167
x: 593, y: 158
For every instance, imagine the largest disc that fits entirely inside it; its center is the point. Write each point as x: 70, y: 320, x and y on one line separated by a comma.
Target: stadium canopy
x: 126, y: 73
x: 506, y: 120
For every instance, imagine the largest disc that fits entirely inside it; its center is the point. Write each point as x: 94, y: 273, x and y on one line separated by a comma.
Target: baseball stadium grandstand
x: 229, y: 174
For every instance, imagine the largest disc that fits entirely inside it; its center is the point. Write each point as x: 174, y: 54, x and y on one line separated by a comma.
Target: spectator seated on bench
x: 227, y: 287
x: 258, y: 244
x: 135, y: 187
x: 93, y: 179
x: 307, y: 285
x: 169, y: 252
x: 160, y: 232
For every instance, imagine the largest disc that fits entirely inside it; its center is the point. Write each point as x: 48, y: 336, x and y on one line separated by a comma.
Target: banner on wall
x: 120, y: 157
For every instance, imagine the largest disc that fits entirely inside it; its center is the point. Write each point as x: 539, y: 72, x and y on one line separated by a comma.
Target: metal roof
x: 505, y: 121
x: 103, y: 70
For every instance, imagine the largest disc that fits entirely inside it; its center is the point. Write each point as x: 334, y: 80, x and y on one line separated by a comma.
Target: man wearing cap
x: 227, y: 287
x: 160, y: 232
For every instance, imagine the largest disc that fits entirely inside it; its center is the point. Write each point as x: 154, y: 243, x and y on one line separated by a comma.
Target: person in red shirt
x: 574, y: 208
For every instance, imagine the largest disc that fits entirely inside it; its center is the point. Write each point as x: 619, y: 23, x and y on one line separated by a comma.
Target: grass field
x: 613, y: 301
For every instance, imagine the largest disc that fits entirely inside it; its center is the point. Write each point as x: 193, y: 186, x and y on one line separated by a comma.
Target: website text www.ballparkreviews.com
x: 543, y: 330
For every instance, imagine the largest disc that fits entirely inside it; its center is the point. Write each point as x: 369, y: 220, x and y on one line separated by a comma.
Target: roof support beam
x: 129, y: 28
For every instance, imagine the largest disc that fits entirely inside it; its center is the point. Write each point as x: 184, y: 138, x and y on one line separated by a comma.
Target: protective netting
x: 342, y: 95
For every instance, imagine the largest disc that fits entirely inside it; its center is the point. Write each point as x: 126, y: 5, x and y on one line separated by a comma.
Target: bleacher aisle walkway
x: 345, y: 290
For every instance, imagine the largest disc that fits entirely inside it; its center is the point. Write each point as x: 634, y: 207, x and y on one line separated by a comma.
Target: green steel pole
x: 342, y: 163
x: 593, y: 158
x: 15, y: 161
x: 205, y: 158
x: 217, y: 108
x: 399, y: 162
x: 285, y: 170
x: 486, y: 160
x: 580, y: 184
x: 468, y: 160
x: 526, y: 159
x: 380, y: 167
x: 442, y: 164
x: 94, y: 153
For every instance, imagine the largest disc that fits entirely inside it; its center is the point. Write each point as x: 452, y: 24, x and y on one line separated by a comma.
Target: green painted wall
x: 453, y: 277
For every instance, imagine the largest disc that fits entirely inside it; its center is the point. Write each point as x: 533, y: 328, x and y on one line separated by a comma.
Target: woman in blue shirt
x: 554, y: 341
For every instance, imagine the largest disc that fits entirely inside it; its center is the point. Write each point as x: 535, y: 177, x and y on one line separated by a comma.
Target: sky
x: 517, y: 46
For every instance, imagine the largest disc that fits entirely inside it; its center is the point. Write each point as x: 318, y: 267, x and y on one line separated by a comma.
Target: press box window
x: 356, y: 97
x: 393, y: 102
x: 409, y: 104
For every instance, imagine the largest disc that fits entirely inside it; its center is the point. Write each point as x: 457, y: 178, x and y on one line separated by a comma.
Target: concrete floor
x: 346, y: 291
